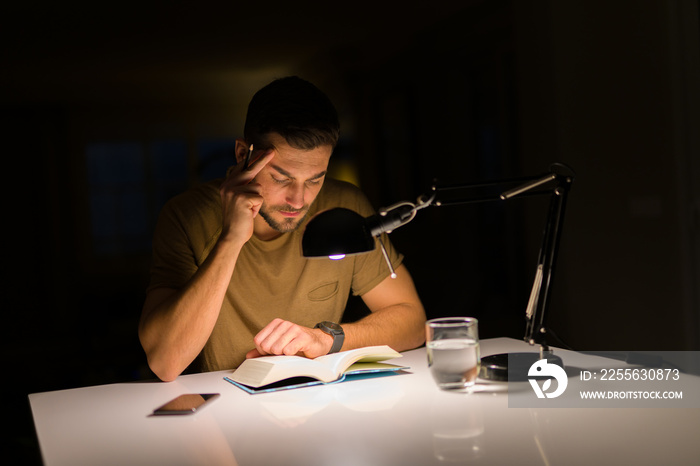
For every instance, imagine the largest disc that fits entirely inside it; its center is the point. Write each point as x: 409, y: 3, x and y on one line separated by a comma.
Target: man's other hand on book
x: 281, y: 337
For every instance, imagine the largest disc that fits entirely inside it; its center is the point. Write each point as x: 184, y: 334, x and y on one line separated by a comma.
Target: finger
x: 240, y: 175
x: 254, y: 353
x: 293, y: 348
x: 286, y: 338
x: 265, y: 337
x: 265, y: 331
x: 252, y: 189
x: 259, y: 162
x: 297, y: 340
x: 246, y: 197
x: 249, y: 202
x: 281, y: 336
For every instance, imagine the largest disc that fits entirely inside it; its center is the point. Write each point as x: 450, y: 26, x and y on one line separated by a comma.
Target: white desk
x: 397, y: 420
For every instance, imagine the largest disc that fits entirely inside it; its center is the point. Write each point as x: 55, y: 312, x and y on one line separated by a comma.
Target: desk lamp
x: 338, y: 232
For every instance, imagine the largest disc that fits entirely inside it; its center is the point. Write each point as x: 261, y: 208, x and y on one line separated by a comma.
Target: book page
x: 339, y: 362
x: 268, y: 369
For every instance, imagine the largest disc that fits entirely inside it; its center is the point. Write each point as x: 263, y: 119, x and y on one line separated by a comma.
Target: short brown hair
x: 295, y: 109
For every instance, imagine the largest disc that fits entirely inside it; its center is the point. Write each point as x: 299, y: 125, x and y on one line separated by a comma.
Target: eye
x: 313, y: 182
x: 280, y: 181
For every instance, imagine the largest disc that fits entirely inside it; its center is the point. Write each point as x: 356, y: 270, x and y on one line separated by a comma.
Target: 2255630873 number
x: 639, y: 374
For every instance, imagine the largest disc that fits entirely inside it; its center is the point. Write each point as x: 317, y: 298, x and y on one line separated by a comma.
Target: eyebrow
x: 284, y: 172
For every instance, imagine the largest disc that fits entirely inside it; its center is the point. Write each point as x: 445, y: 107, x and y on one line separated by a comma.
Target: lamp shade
x: 336, y: 232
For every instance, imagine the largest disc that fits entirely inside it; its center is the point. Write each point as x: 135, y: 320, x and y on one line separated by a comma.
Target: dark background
x: 107, y: 110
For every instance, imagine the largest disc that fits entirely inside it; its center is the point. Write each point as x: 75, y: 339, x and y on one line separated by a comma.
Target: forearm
x: 401, y: 326
x: 397, y: 318
x: 175, y: 326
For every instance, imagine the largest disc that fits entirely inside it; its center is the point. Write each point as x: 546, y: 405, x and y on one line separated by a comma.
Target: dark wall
x: 487, y: 90
x: 504, y: 90
x: 622, y: 109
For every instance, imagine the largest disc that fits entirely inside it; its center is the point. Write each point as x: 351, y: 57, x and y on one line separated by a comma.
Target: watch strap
x: 334, y: 330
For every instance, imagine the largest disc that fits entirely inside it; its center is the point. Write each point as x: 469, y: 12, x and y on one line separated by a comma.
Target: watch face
x: 330, y: 327
x: 333, y: 326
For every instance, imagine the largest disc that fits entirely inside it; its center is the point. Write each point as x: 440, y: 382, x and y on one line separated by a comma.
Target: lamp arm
x: 502, y: 190
x: 561, y: 177
x: 536, y: 313
x: 390, y: 218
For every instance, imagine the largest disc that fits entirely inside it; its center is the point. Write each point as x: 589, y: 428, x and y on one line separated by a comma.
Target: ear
x: 241, y: 150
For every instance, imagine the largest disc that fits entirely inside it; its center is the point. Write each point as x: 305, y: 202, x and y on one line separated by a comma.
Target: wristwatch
x: 334, y: 330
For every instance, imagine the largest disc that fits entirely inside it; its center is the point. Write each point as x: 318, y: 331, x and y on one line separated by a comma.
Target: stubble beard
x: 287, y: 224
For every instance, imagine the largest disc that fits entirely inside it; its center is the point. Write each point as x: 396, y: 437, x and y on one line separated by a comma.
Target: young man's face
x: 290, y: 183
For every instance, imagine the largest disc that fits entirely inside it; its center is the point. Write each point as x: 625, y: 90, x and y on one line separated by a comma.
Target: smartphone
x: 188, y: 403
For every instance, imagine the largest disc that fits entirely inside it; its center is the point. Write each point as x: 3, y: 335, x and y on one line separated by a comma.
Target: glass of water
x: 453, y: 351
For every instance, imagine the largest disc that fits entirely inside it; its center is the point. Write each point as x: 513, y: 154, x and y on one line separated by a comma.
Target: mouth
x: 291, y: 213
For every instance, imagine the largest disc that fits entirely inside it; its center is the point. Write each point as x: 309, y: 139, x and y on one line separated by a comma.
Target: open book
x: 270, y: 373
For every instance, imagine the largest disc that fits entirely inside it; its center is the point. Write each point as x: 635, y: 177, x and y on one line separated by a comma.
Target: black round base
x: 512, y: 367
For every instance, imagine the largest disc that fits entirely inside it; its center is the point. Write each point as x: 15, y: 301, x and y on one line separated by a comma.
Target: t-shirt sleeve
x: 371, y: 269
x: 173, y: 260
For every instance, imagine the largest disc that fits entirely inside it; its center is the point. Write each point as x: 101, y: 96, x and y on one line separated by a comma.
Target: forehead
x: 299, y: 162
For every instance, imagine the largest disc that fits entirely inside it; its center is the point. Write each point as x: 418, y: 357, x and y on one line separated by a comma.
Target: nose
x: 295, y: 195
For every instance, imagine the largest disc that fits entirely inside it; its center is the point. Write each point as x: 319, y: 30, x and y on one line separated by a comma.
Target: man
x: 228, y: 280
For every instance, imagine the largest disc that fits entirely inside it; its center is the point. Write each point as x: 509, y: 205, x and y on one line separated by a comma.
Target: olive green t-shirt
x: 271, y: 278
